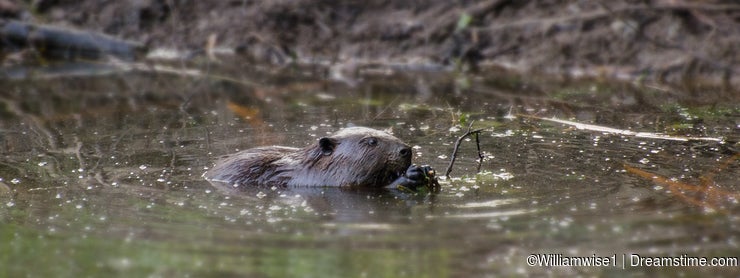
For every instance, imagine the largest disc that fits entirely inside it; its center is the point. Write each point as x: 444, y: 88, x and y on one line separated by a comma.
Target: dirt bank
x: 674, y: 41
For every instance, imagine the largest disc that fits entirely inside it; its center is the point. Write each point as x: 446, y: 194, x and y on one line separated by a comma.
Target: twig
x: 78, y: 153
x: 390, y: 104
x: 457, y: 147
x: 625, y: 132
x: 480, y: 154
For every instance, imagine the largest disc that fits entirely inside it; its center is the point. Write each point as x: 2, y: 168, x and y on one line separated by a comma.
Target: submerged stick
x: 56, y: 42
x: 480, y: 154
x: 625, y: 132
x: 457, y: 147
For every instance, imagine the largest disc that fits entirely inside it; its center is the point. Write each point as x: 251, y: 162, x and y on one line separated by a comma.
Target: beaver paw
x: 416, y: 178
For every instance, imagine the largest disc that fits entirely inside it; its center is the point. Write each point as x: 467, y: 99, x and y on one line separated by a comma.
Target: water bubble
x: 121, y: 263
x: 565, y: 222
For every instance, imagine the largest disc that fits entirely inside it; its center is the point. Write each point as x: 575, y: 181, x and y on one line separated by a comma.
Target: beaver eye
x: 372, y: 141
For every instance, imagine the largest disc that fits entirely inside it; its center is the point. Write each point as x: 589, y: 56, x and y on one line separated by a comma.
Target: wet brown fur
x: 346, y: 158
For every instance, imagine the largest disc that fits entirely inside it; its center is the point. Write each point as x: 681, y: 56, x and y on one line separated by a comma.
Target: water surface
x: 101, y: 175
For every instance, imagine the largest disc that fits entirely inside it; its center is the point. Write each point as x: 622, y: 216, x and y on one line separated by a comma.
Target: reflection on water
x: 102, y: 175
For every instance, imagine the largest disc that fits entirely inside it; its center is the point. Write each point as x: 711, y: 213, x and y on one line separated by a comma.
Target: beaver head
x: 355, y: 156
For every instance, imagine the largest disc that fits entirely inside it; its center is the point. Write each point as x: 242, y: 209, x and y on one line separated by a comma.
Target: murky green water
x: 101, y: 176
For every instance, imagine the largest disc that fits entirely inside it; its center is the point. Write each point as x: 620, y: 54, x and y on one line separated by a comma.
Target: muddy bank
x: 678, y: 42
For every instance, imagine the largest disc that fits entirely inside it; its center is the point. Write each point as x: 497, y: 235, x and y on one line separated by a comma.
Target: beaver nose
x: 405, y: 152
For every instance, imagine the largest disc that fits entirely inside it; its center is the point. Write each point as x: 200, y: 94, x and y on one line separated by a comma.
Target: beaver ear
x: 327, y: 145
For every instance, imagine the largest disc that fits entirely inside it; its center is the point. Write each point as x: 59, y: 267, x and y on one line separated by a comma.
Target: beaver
x: 354, y: 156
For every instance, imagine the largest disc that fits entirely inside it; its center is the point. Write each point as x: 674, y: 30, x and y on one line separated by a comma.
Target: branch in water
x: 625, y: 132
x: 457, y: 147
